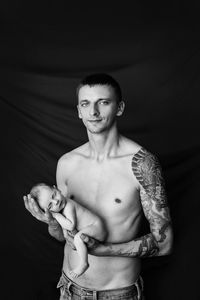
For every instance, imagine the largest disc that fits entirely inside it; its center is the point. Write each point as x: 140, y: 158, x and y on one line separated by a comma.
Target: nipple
x: 118, y: 200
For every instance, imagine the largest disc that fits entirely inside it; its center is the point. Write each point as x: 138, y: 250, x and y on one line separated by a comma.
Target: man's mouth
x: 96, y: 120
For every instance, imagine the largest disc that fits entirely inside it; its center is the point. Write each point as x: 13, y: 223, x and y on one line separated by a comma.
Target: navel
x: 117, y: 200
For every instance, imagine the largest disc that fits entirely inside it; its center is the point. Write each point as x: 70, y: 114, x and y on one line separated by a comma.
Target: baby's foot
x: 79, y: 270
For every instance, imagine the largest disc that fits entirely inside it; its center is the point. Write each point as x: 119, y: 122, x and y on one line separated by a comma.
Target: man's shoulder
x: 73, y: 155
x: 137, y: 150
x: 146, y: 165
x: 130, y: 147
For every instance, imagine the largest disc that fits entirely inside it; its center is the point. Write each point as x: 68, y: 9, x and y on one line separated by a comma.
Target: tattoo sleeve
x: 147, y: 171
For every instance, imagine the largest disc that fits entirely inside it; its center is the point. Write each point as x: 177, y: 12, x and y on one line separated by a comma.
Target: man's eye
x: 84, y: 104
x: 104, y: 102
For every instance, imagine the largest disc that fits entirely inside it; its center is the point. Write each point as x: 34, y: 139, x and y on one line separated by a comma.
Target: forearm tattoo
x: 147, y: 171
x: 148, y: 246
x: 140, y: 247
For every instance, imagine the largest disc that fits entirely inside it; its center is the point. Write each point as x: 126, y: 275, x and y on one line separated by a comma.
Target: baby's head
x: 48, y: 197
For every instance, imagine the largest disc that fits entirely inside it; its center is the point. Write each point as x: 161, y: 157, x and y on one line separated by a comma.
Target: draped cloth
x: 158, y: 70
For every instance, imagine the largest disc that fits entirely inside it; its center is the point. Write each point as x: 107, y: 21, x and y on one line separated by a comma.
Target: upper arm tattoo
x: 147, y: 170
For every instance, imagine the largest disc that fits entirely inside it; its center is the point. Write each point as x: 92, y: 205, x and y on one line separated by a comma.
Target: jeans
x: 72, y: 291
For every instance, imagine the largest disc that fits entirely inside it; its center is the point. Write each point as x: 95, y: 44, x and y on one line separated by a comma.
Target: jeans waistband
x: 71, y: 287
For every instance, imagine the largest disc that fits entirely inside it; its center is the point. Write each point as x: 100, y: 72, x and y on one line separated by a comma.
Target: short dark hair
x: 35, y: 192
x: 101, y: 79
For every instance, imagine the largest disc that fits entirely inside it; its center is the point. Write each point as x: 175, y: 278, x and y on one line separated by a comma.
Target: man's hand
x: 95, y: 247
x: 54, y: 227
x: 36, y: 212
x: 91, y: 243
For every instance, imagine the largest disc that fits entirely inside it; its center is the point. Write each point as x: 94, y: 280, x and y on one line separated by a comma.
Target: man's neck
x: 104, y: 145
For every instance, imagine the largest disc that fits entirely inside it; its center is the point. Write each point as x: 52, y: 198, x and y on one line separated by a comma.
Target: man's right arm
x: 56, y: 231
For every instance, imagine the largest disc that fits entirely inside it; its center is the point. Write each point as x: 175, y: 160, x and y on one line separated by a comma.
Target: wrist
x: 53, y: 224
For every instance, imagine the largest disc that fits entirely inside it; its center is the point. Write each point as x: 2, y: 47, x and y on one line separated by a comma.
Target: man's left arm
x: 147, y: 171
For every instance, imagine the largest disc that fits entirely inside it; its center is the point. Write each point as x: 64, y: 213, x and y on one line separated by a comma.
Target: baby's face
x: 52, y: 199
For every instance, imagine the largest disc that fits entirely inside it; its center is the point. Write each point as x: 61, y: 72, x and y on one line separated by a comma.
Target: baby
x: 70, y: 215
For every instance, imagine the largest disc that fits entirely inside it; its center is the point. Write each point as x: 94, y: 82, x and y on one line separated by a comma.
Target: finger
x: 35, y: 206
x: 29, y: 197
x: 25, y: 198
x: 35, y: 210
x: 29, y: 207
x: 91, y: 242
x: 27, y: 203
x: 84, y: 238
x: 29, y: 200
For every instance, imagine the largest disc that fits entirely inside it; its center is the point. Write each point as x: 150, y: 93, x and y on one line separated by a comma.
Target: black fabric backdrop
x: 44, y: 54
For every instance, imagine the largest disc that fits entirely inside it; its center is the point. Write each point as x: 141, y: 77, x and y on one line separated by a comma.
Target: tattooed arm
x: 147, y: 171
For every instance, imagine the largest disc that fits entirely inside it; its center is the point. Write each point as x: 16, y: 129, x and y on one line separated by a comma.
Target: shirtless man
x: 121, y: 182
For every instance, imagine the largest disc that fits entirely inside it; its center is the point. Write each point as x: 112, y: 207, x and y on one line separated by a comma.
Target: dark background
x: 45, y: 49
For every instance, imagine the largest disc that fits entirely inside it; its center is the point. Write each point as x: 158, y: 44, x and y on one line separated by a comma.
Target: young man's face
x: 98, y: 107
x: 51, y: 198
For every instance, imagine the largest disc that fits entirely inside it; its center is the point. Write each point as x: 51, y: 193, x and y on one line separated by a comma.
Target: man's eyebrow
x: 83, y: 101
x: 99, y: 99
x: 108, y: 99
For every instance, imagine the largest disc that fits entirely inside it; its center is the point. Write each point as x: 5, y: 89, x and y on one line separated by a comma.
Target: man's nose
x: 94, y: 110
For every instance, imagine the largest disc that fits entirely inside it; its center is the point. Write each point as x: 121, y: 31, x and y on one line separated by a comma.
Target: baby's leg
x: 83, y: 255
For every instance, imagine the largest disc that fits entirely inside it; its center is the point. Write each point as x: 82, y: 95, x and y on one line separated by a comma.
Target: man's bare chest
x: 106, y: 189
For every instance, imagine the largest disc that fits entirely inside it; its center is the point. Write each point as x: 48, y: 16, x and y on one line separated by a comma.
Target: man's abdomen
x: 103, y: 272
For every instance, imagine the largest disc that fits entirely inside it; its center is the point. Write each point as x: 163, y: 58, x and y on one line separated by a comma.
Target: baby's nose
x: 55, y: 201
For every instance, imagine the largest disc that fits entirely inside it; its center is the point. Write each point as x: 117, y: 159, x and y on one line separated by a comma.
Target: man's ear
x: 79, y: 112
x: 120, y: 108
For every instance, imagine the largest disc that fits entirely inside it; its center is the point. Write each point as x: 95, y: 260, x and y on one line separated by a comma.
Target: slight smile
x: 97, y: 120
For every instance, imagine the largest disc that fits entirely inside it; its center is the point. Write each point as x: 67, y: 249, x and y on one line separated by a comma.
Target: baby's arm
x: 67, y: 220
x: 63, y: 221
